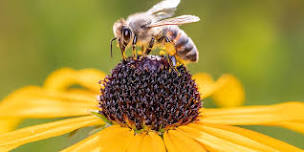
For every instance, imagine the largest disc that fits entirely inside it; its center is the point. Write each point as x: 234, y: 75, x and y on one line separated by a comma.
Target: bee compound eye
x: 127, y: 34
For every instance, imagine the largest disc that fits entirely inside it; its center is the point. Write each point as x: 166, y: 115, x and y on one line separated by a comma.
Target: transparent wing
x: 163, y: 9
x: 179, y: 20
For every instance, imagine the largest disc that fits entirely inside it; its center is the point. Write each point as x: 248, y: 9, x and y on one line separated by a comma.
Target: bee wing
x: 163, y: 9
x: 179, y: 20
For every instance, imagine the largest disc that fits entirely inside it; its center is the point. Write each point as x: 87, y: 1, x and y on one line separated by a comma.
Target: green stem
x: 96, y: 113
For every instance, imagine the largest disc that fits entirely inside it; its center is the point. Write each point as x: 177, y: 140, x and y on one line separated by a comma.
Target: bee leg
x: 172, y: 58
x: 123, y: 54
x: 122, y: 50
x: 172, y: 62
x: 134, y: 46
x: 140, y: 52
x: 150, y: 46
x: 167, y: 39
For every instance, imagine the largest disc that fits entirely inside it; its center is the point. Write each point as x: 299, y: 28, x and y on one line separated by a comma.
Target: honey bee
x: 154, y: 26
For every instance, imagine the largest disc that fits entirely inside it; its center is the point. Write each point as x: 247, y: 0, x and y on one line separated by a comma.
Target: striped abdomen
x: 184, y: 46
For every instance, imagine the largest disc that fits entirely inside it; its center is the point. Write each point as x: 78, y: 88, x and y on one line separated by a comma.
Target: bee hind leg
x: 171, y: 51
x: 151, y: 43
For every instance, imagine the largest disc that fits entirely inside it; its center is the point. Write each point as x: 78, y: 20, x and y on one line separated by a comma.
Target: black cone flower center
x: 147, y: 93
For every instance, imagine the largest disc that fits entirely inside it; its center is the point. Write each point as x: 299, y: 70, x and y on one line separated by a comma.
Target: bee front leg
x: 111, y: 46
x: 122, y: 49
x: 134, y: 46
x: 123, y: 53
x: 151, y: 43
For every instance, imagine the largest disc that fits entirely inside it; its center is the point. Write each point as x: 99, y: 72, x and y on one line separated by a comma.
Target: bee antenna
x: 111, y: 47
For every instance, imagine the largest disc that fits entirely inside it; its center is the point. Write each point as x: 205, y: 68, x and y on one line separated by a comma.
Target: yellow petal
x: 110, y: 139
x: 237, y: 135
x: 213, y: 143
x: 297, y: 126
x: 34, y: 91
x: 177, y: 141
x: 45, y: 108
x: 153, y: 142
x: 229, y: 138
x: 206, y: 85
x: 64, y: 78
x: 115, y: 138
x: 169, y: 144
x: 135, y: 143
x: 256, y: 115
x: 8, y: 124
x: 11, y: 140
x: 35, y: 102
x: 81, y: 92
x: 227, y: 91
x: 146, y: 142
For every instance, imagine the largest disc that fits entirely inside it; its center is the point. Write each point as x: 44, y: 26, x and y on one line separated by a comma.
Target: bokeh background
x: 259, y: 41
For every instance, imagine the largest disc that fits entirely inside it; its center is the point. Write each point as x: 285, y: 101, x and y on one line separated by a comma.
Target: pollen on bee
x: 170, y: 48
x: 162, y: 53
x: 139, y: 52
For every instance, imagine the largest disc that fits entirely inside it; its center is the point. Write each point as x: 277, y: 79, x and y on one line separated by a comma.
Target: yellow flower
x: 212, y: 129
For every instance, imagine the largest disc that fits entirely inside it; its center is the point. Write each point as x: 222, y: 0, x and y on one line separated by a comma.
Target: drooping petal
x: 297, y: 126
x: 229, y: 138
x: 81, y: 91
x: 11, y: 140
x: 8, y: 124
x: 64, y: 78
x: 177, y: 141
x: 227, y: 91
x: 35, y: 91
x: 35, y: 102
x: 45, y: 108
x: 290, y: 112
x: 205, y: 84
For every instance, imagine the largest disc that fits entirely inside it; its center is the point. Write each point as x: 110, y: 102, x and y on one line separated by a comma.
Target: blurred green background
x: 259, y: 41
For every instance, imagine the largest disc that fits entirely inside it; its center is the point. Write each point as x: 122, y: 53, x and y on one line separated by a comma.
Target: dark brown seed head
x: 147, y: 93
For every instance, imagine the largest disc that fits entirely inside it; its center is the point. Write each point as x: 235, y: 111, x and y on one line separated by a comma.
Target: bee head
x: 123, y: 33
